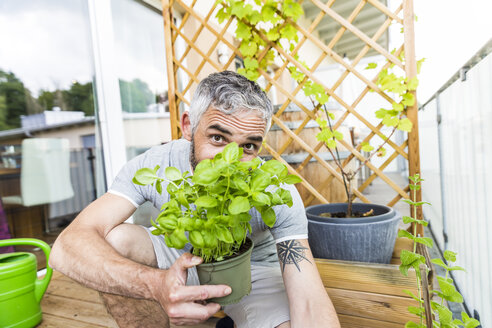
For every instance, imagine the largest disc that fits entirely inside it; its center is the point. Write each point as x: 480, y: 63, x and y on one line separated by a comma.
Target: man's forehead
x: 249, y: 120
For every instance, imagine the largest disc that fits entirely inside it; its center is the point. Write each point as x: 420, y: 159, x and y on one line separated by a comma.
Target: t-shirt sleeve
x: 124, y: 187
x: 291, y: 221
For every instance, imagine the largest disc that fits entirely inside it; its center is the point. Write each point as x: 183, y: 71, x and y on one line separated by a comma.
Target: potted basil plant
x: 210, y: 209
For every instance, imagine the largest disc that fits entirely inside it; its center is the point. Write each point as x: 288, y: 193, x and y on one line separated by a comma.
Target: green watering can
x: 20, y: 290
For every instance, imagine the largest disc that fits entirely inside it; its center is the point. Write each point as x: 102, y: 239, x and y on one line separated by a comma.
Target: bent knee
x: 133, y: 242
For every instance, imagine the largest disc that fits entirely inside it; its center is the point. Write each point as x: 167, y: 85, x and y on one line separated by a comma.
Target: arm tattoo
x: 291, y: 251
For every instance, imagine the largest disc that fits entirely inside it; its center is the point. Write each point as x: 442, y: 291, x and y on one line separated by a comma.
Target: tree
x: 79, y: 97
x: 14, y: 94
x: 135, y: 96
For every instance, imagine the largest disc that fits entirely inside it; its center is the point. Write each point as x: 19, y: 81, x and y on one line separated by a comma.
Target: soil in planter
x: 344, y: 214
x: 244, y: 247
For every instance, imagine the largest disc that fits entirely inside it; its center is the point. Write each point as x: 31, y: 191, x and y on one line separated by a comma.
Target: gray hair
x: 229, y: 93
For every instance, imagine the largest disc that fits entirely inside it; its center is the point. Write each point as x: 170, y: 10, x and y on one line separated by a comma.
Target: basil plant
x: 213, y: 204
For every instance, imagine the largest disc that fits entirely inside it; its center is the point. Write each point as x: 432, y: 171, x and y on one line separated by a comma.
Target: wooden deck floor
x: 69, y: 304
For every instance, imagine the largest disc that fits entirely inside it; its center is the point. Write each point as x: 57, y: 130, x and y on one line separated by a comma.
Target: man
x: 143, y: 282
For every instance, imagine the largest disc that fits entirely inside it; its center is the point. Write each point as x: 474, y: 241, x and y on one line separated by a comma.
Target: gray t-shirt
x: 291, y: 222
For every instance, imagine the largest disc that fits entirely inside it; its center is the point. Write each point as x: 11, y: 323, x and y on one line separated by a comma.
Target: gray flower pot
x: 370, y: 239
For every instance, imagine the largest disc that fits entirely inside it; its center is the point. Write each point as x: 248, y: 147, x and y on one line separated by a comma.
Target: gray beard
x: 193, y: 160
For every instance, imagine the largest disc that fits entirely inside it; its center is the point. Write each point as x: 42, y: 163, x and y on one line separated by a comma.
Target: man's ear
x: 186, y: 125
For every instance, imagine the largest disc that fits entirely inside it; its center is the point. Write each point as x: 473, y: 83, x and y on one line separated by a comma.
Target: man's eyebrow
x: 256, y: 138
x: 220, y: 128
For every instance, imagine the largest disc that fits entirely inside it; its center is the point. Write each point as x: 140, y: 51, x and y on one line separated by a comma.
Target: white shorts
x: 266, y: 306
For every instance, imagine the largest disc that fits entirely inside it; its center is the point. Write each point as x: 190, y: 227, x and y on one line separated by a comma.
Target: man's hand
x: 183, y: 304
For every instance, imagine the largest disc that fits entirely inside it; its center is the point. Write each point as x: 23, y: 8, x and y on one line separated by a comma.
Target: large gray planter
x: 370, y: 239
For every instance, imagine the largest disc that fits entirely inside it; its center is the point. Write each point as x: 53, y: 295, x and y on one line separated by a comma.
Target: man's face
x: 216, y: 129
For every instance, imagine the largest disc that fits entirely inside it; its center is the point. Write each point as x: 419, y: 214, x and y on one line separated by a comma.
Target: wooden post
x: 171, y: 94
x: 412, y: 112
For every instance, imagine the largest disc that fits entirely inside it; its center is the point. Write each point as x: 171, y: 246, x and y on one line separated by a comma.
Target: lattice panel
x: 197, y: 46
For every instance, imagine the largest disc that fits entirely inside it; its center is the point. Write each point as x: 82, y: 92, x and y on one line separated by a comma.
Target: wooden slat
x: 385, y: 10
x: 348, y: 321
x: 366, y: 277
x: 70, y: 289
x: 70, y: 308
x: 374, y: 306
x: 358, y: 33
x: 412, y: 111
x: 171, y: 82
x: 54, y: 321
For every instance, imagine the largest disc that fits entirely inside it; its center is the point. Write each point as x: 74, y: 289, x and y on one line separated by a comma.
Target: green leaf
x: 456, y: 268
x: 196, y: 239
x: 261, y: 198
x: 416, y: 310
x: 248, y: 48
x: 209, y: 239
x: 145, y: 176
x: 238, y: 205
x: 173, y: 173
x: 411, y: 324
x: 409, y: 258
x: 292, y: 179
x: 241, y: 184
x: 450, y: 256
x: 381, y: 113
x: 268, y: 13
x: 445, y: 315
x: 289, y: 32
x: 331, y: 144
x: 206, y: 176
x: 413, y: 84
x: 408, y: 99
x: 243, y: 31
x: 260, y: 181
x: 412, y: 295
x: 240, y: 10
x: 405, y: 234
x: 231, y: 152
x: 292, y: 9
x: 238, y: 233
x: 272, y: 166
x: 469, y: 322
x: 268, y: 216
x: 206, y: 201
x: 371, y: 66
x: 338, y: 135
x: 390, y: 120
x: 222, y: 15
x: 273, y: 34
x: 449, y: 291
x: 424, y: 241
x: 440, y: 263
x: 367, y: 147
x: 223, y: 234
x: 405, y: 125
x: 398, y: 107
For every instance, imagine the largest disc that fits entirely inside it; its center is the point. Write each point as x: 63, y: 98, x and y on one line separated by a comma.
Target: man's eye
x: 249, y: 147
x: 217, y: 138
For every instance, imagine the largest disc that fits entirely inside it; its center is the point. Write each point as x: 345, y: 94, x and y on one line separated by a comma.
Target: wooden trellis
x: 193, y: 39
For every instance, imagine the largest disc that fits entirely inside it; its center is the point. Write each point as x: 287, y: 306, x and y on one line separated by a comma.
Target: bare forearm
x: 309, y: 303
x: 86, y: 257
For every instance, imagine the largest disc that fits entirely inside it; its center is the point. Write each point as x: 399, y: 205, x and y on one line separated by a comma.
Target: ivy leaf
x: 367, y: 147
x: 413, y: 84
x: 289, y: 32
x: 268, y: 13
x: 408, y: 99
x: 243, y: 31
x: 296, y: 74
x: 248, y: 48
x: 390, y: 120
x: 398, y: 107
x: 273, y: 34
x: 240, y: 10
x: 405, y: 125
x: 331, y: 144
x: 381, y: 113
x: 254, y: 17
x: 292, y: 9
x: 322, y: 98
x: 419, y: 64
x: 371, y: 66
x: 222, y: 15
x: 239, y: 205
